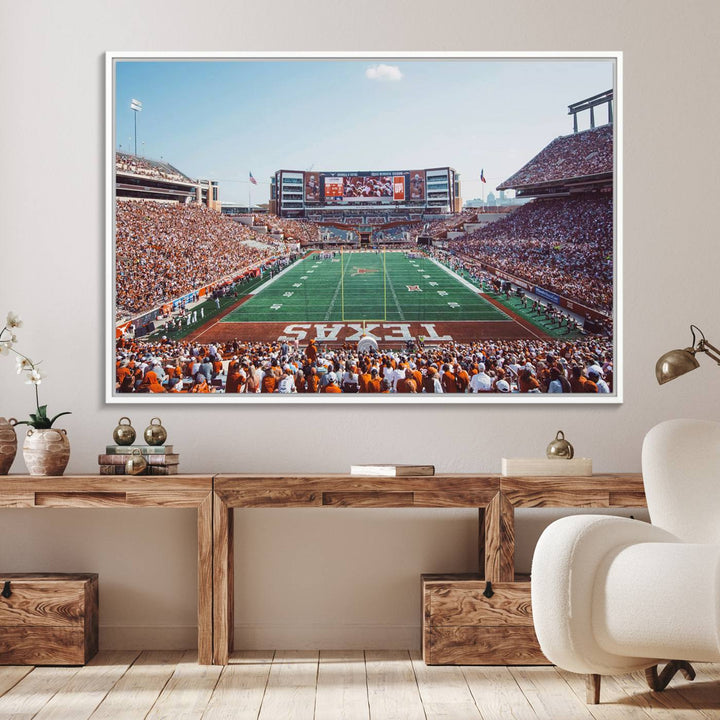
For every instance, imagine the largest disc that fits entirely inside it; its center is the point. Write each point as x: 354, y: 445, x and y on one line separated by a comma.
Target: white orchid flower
x: 23, y: 364
x: 13, y: 320
x: 35, y: 377
x: 5, y: 347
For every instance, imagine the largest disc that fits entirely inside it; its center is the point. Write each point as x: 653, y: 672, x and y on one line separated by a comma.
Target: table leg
x: 223, y: 581
x: 499, y: 540
x: 481, y: 541
x: 205, y: 579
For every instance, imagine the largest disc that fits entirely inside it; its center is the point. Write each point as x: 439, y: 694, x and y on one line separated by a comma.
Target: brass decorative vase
x: 155, y: 433
x: 124, y: 433
x: 136, y: 463
x: 46, y: 451
x: 560, y: 448
x: 8, y: 444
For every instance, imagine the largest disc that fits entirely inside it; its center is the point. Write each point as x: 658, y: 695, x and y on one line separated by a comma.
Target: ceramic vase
x: 46, y: 452
x: 8, y: 444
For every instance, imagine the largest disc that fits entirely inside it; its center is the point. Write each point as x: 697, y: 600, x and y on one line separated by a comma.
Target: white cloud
x: 384, y: 73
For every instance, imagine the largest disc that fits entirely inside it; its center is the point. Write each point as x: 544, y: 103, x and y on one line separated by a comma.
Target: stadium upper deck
x: 138, y: 178
x: 579, y: 162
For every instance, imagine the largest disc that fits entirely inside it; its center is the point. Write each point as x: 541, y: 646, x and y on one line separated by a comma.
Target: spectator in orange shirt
x: 235, y: 380
x: 375, y: 381
x: 577, y: 380
x: 430, y: 382
x: 527, y: 382
x: 300, y: 381
x: 313, y: 381
x: 332, y: 386
x: 590, y: 386
x: 407, y: 384
x: 269, y: 381
x: 173, y: 370
x: 201, y: 384
x: 462, y: 379
x: 448, y: 380
x: 150, y: 383
x: 123, y: 371
x: 418, y: 377
x: 364, y: 380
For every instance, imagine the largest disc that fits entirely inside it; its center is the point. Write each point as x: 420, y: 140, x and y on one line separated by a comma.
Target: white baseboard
x: 265, y: 637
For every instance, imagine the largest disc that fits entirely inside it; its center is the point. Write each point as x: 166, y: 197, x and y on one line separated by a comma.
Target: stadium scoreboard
x: 295, y: 191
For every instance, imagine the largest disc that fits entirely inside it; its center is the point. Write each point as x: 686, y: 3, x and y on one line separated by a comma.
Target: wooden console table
x: 495, y: 497
x: 215, y: 497
x: 92, y: 491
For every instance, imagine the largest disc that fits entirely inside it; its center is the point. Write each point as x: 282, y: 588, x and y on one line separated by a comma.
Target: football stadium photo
x: 428, y: 228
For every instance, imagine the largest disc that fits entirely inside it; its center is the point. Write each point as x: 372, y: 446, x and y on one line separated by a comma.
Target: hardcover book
x: 144, y: 449
x: 172, y: 459
x: 392, y: 470
x: 150, y: 470
x: 546, y: 467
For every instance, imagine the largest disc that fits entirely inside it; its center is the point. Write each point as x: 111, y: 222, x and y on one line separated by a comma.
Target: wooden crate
x: 48, y: 618
x: 461, y: 626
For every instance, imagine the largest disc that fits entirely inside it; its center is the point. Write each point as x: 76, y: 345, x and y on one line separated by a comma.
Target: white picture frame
x: 371, y: 59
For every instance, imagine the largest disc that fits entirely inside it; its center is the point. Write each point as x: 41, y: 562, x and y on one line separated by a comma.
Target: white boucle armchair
x: 614, y: 595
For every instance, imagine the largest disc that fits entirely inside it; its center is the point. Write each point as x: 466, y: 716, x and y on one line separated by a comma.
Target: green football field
x: 365, y: 286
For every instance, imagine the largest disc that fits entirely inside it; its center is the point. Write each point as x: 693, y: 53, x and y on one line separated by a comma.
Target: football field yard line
x: 395, y: 297
x: 331, y: 306
x: 532, y: 329
x: 467, y: 284
x: 264, y: 285
x: 206, y: 330
x: 364, y: 298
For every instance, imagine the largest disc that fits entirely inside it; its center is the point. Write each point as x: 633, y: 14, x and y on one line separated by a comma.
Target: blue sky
x: 222, y: 119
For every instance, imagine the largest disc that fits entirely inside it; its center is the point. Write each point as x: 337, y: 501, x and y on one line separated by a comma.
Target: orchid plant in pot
x: 46, y: 449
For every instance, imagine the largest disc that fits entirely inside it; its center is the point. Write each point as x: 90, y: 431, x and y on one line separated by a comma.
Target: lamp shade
x: 675, y: 363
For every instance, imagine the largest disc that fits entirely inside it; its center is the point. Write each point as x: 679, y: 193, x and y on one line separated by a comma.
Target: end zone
x: 386, y: 333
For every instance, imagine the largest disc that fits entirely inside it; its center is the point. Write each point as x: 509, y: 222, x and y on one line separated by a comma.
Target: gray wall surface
x: 367, y: 563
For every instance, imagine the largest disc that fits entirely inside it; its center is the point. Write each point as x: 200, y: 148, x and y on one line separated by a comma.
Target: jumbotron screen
x: 359, y: 187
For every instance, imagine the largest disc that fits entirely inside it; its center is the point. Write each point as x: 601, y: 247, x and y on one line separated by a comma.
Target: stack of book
x: 160, y: 459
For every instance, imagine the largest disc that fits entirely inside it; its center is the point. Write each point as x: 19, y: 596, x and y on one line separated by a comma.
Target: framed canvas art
x: 353, y: 228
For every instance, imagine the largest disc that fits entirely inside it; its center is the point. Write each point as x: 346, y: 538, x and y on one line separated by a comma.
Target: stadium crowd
x: 439, y: 229
x: 164, y: 251
x: 283, y: 367
x: 148, y: 168
x: 301, y: 231
x: 564, y: 245
x: 589, y: 152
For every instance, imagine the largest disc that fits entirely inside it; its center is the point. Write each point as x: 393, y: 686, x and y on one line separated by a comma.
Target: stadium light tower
x: 136, y: 107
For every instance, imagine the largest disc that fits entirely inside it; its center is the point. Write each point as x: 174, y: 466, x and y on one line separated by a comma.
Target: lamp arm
x: 710, y: 350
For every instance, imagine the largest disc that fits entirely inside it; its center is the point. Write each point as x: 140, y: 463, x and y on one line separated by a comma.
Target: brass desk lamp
x: 677, y: 362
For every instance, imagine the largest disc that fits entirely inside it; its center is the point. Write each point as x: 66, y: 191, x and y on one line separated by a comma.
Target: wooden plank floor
x: 344, y: 685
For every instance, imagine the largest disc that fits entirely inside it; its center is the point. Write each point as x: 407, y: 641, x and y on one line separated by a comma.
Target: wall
x: 349, y: 577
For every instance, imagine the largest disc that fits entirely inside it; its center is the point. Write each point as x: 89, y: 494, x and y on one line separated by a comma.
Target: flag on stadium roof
x: 252, y: 179
x: 482, y: 175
